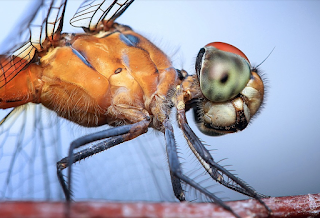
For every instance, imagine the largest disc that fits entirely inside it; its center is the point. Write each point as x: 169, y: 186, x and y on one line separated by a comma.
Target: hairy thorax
x: 113, y: 77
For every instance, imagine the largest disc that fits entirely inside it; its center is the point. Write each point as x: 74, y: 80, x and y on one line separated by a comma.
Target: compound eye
x: 228, y: 48
x: 223, y: 71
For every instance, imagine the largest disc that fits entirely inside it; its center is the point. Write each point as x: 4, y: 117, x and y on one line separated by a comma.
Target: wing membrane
x: 37, y: 32
x: 33, y: 139
x: 92, y: 12
x: 29, y: 148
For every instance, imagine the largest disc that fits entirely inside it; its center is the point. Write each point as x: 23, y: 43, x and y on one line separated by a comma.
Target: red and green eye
x: 223, y: 71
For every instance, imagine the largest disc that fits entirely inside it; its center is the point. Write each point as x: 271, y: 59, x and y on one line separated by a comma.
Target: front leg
x: 216, y: 171
x: 176, y: 170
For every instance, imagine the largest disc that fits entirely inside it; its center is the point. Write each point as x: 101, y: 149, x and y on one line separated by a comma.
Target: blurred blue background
x: 278, y: 154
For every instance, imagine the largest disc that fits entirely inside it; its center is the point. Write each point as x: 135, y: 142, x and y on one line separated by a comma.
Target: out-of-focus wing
x: 27, y: 140
x: 92, y: 12
x: 30, y: 146
x: 34, y: 34
x: 33, y: 139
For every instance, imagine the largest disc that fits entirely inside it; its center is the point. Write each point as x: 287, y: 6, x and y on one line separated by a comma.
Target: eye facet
x: 223, y: 71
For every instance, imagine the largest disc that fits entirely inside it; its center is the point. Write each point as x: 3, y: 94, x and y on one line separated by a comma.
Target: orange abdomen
x: 21, y: 88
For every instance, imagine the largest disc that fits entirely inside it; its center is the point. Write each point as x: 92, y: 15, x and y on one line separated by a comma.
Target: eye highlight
x: 223, y: 71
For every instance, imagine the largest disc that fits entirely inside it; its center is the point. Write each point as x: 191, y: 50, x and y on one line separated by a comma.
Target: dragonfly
x: 109, y: 75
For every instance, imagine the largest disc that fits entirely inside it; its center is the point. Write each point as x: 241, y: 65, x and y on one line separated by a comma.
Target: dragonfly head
x: 232, y: 90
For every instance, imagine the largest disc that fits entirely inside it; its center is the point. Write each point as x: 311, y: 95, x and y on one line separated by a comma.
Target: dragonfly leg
x: 176, y: 171
x: 177, y: 188
x: 216, y: 171
x: 114, y: 136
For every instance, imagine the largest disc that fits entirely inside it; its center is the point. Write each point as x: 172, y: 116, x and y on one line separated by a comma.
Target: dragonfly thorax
x: 113, y: 78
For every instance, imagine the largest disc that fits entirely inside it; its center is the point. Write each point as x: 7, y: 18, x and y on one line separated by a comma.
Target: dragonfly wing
x: 35, y: 33
x: 20, y: 35
x: 53, y: 22
x: 29, y: 149
x: 92, y: 12
x: 33, y: 139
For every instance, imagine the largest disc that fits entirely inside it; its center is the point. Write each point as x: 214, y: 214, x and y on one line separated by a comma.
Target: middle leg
x: 114, y: 137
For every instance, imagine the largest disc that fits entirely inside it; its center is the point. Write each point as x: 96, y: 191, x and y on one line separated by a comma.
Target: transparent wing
x: 35, y: 33
x: 29, y: 147
x: 33, y: 139
x: 92, y: 12
x: 29, y: 144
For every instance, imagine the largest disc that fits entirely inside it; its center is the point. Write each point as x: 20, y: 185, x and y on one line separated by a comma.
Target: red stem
x: 293, y: 206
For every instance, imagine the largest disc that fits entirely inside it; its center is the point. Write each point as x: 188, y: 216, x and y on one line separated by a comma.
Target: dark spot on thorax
x: 117, y: 70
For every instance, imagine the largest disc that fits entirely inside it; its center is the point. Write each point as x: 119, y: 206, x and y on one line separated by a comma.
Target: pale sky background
x: 278, y: 154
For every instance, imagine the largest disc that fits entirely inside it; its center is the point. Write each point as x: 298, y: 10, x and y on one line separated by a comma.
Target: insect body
x: 110, y: 85
x: 112, y: 75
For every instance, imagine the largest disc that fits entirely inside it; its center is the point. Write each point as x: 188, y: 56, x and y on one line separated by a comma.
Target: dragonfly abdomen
x: 22, y: 88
